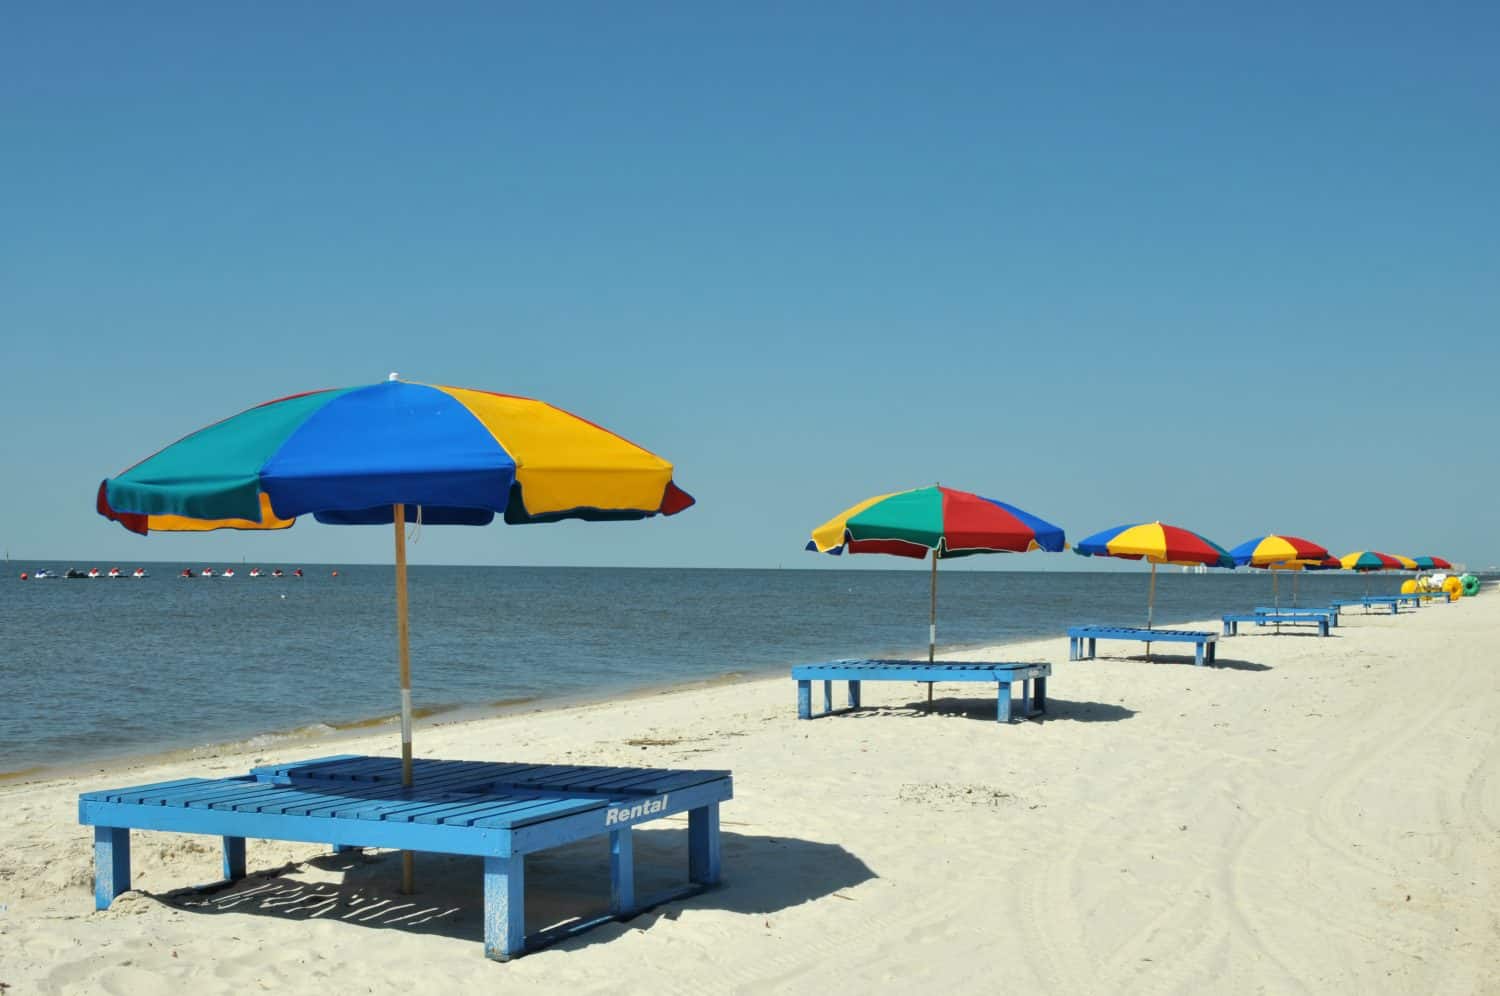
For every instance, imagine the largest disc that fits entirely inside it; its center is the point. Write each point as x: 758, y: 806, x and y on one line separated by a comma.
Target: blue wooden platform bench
x: 1232, y: 621
x: 1331, y: 611
x: 1002, y: 675
x: 495, y: 811
x: 1369, y: 602
x: 1082, y: 640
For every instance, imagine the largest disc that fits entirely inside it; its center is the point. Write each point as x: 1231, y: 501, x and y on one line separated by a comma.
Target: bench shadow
x: 984, y: 710
x: 1224, y: 662
x: 1237, y: 665
x: 564, y: 886
x: 1301, y: 631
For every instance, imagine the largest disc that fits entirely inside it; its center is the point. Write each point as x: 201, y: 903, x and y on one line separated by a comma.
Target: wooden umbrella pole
x: 932, y: 621
x: 403, y: 643
x: 1150, y: 606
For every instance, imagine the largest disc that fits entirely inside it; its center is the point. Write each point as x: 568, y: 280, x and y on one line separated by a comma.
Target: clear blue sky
x: 1239, y: 271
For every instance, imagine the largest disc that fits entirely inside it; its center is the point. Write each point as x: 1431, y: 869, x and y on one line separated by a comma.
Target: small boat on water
x: 255, y: 572
x: 139, y: 572
x: 94, y: 573
x: 42, y: 575
x: 276, y: 573
x: 228, y: 573
x: 297, y: 573
x: 207, y: 572
x: 187, y: 572
x: 114, y: 574
x: 74, y: 574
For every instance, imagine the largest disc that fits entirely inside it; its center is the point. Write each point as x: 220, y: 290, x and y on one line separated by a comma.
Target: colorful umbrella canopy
x: 1272, y: 550
x: 1432, y: 564
x: 947, y: 522
x: 1407, y: 564
x: 1159, y: 544
x: 1275, y: 552
x: 950, y: 523
x: 392, y: 452
x: 1369, y: 560
x: 349, y: 455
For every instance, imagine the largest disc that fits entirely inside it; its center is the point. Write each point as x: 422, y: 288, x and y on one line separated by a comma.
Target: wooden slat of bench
x: 540, y: 814
x: 112, y: 795
x: 437, y: 810
x: 602, y: 779
x: 346, y: 796
x: 207, y: 788
x: 1135, y: 633
x: 516, y: 811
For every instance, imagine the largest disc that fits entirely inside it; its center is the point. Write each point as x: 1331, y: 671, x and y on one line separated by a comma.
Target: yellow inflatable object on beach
x: 1454, y: 587
x: 1408, y: 587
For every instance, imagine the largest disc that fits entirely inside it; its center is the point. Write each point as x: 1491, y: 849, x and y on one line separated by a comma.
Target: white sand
x: 1324, y: 819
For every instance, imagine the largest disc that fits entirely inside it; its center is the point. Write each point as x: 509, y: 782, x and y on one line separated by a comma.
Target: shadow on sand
x: 564, y: 885
x: 985, y: 709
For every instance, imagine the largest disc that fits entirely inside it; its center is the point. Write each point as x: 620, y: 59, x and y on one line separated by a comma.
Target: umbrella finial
x: 394, y: 376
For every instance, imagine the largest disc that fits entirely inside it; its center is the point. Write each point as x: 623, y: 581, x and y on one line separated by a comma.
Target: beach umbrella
x: 1156, y: 543
x: 946, y: 522
x: 392, y: 453
x: 1432, y: 564
x: 1367, y: 562
x: 1272, y: 551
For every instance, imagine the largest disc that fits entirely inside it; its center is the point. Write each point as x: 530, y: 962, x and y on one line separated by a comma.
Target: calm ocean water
x: 93, y: 669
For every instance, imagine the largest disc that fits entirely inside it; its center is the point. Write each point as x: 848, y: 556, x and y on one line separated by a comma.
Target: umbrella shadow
x: 1188, y: 659
x: 1302, y: 631
x: 986, y: 710
x: 565, y: 886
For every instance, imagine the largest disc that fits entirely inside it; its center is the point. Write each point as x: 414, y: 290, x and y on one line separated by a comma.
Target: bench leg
x: 1322, y: 627
x: 804, y: 699
x: 504, y: 907
x: 621, y: 871
x: 1002, y: 701
x: 1093, y: 648
x: 234, y: 859
x: 827, y: 697
x: 1041, y: 695
x: 1072, y: 648
x: 853, y: 695
x: 703, y: 844
x: 1025, y: 697
x: 1198, y: 650
x: 111, y: 864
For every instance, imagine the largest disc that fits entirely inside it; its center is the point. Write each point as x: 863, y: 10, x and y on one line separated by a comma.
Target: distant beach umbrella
x: 1432, y: 564
x: 1156, y: 543
x: 1275, y: 551
x: 1369, y: 561
x: 393, y: 453
x: 943, y: 521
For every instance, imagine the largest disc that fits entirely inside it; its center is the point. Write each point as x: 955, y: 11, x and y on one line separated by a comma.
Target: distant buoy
x: 24, y: 576
x: 335, y: 573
